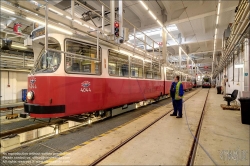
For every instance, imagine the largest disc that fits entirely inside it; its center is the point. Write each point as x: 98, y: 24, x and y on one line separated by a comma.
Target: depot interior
x: 196, y: 38
x: 203, y: 38
x: 202, y: 29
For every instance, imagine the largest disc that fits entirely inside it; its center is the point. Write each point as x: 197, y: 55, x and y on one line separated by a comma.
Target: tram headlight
x: 30, y: 95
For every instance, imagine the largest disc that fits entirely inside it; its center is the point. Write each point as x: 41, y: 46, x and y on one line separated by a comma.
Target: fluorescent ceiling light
x: 50, y: 26
x: 239, y: 66
x: 86, y: 25
x: 7, y: 10
x: 19, y: 46
x: 78, y: 15
x: 218, y: 12
x: 68, y: 17
x: 166, y: 30
x: 55, y: 11
x: 169, y: 68
x: 171, y: 36
x: 152, y: 14
x: 159, y: 23
x: 78, y: 22
x: 215, y: 31
x: 217, y: 19
x: 146, y: 60
x: 61, y: 24
x: 34, y: 20
x: 60, y: 29
x: 144, y: 5
x: 135, y: 56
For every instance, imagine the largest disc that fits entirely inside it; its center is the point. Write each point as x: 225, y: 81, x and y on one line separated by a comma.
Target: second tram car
x: 206, y: 82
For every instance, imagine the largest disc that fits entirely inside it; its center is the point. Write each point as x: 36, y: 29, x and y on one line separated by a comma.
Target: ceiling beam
x: 193, y: 53
x: 134, y: 9
x: 167, y: 8
x: 202, y: 15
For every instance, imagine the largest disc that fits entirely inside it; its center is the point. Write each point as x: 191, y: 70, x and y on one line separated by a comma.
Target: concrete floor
x: 222, y: 135
x: 86, y: 153
x: 168, y: 142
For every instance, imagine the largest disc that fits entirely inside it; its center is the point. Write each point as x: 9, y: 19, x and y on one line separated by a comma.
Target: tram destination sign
x: 38, y: 32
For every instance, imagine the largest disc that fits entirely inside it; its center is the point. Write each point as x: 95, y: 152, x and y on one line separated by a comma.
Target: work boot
x: 173, y: 114
x: 178, y: 116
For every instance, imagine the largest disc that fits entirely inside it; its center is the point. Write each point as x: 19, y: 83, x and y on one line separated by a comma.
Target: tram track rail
x: 30, y: 127
x: 195, y: 144
x: 52, y: 141
x: 101, y: 158
x: 34, y: 126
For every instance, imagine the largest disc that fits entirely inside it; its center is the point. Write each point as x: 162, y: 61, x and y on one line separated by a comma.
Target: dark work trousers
x: 174, y: 105
x: 178, y: 105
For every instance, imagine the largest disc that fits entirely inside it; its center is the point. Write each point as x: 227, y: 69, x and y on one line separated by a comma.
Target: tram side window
x: 184, y: 77
x: 156, y: 71
x: 169, y: 74
x: 147, y: 70
x: 181, y: 78
x: 118, y: 64
x: 84, y: 59
x: 136, y: 67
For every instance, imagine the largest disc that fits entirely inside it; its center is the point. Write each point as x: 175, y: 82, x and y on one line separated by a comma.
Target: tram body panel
x: 58, y: 91
x: 98, y: 93
x: 168, y: 84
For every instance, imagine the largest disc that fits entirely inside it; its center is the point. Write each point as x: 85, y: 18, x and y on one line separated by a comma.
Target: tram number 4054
x: 85, y: 90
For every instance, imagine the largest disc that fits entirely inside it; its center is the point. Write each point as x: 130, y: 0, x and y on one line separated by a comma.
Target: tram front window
x: 49, y: 62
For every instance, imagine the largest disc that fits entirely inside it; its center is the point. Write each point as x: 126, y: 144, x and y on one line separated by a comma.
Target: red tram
x: 75, y: 78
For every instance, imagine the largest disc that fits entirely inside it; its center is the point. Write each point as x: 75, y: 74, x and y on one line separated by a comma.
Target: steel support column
x: 103, y: 10
x: 164, y: 46
x: 179, y: 57
x: 246, y: 92
x: 72, y: 10
x: 46, y: 28
x: 120, y: 18
x: 112, y: 16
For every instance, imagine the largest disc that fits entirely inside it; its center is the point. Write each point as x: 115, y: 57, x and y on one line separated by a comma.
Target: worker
x: 178, y: 94
x: 172, y: 94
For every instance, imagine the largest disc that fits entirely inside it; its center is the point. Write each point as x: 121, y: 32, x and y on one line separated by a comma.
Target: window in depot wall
x: 136, y: 67
x: 85, y: 61
x: 118, y: 64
